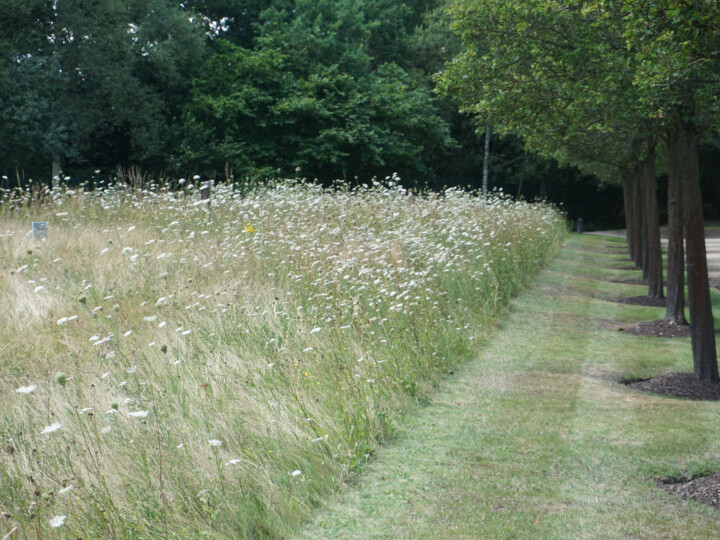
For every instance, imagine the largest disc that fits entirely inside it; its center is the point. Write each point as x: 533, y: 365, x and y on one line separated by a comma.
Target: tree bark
x: 55, y: 169
x: 486, y: 162
x: 675, y: 311
x: 629, y: 210
x: 702, y: 331
x: 636, y: 246
x: 644, y: 252
x: 632, y: 213
x: 652, y: 253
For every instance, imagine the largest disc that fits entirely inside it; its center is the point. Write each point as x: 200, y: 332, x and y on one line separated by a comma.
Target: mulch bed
x: 659, y: 328
x: 680, y: 385
x: 647, y: 301
x: 705, y: 489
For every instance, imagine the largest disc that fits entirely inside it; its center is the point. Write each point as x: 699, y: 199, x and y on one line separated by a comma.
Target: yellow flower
x: 250, y: 228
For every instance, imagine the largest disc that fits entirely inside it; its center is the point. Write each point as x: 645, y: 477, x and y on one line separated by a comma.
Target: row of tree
x: 606, y: 85
x: 251, y: 88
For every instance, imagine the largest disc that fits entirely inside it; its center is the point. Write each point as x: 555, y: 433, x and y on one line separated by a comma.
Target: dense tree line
x: 272, y: 88
x: 253, y: 88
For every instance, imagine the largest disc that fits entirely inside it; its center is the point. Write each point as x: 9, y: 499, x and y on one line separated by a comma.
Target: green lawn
x: 536, y: 438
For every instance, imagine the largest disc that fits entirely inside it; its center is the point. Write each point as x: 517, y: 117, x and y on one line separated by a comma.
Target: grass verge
x: 535, y: 438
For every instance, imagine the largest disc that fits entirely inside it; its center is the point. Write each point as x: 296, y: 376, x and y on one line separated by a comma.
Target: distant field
x: 170, y: 369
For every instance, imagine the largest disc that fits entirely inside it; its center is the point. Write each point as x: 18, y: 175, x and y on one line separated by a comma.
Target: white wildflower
x: 51, y: 428
x: 26, y: 389
x: 138, y: 414
x: 215, y: 442
x: 57, y: 521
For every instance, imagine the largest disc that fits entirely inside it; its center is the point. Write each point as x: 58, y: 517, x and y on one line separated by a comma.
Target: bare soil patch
x: 647, y: 301
x: 659, y: 328
x: 680, y: 385
x: 705, y: 489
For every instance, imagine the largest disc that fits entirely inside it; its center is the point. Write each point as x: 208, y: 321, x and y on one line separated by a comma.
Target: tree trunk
x: 627, y: 205
x: 637, y: 219
x: 652, y: 253
x: 486, y: 162
x: 55, y: 169
x: 702, y: 329
x: 645, y: 253
x: 675, y: 312
x: 629, y: 210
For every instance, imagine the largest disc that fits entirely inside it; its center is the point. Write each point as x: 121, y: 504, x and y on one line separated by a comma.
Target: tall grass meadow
x: 174, y: 369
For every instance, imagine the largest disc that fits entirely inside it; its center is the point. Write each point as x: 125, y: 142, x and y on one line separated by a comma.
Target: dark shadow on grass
x: 627, y: 281
x: 647, y: 301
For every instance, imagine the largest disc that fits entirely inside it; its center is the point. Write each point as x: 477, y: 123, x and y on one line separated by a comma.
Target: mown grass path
x: 536, y: 438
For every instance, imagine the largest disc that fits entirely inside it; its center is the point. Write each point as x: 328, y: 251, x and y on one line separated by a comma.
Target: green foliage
x: 677, y: 53
x: 552, y: 72
x: 310, y: 99
x: 95, y: 81
x: 343, y: 89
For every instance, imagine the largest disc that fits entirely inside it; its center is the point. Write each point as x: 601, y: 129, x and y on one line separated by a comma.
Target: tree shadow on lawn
x: 646, y: 301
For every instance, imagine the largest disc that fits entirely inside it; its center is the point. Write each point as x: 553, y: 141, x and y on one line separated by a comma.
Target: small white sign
x: 39, y: 229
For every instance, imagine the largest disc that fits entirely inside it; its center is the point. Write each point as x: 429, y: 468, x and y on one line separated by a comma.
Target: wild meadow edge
x: 173, y: 368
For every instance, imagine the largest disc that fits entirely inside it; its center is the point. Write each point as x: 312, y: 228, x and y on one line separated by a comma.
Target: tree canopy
x: 338, y: 90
